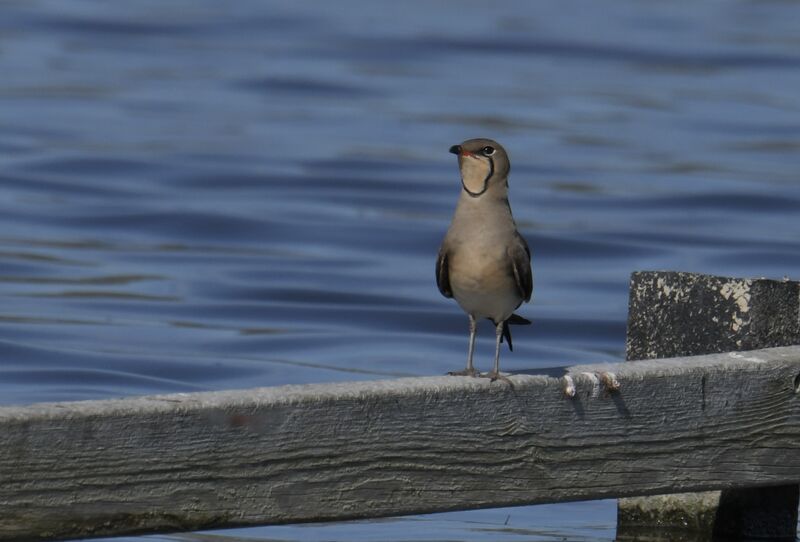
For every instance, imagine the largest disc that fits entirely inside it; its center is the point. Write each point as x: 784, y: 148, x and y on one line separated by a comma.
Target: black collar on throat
x: 485, y: 181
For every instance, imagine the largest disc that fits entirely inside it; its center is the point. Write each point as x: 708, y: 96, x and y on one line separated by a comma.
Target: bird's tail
x: 517, y: 320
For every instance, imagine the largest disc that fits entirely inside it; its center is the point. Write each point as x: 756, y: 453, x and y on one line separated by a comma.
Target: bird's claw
x: 466, y: 372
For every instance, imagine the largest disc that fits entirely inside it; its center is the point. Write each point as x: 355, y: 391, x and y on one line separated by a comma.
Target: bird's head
x: 483, y: 164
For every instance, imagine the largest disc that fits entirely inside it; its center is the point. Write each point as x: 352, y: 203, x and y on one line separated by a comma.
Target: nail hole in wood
x: 797, y: 384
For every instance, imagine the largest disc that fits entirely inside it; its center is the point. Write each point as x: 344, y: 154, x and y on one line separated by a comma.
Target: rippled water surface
x: 202, y: 195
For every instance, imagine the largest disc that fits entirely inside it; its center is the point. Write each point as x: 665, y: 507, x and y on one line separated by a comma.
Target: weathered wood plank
x: 370, y: 449
x: 683, y: 314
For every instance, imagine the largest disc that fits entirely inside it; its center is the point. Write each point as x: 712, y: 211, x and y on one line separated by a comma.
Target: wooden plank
x: 682, y: 314
x: 371, y: 449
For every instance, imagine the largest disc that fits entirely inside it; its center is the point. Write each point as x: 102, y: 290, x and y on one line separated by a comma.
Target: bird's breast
x: 476, y: 267
x: 482, y: 281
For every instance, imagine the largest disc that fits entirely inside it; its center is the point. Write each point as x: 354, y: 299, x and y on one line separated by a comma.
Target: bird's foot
x: 494, y: 375
x: 466, y: 372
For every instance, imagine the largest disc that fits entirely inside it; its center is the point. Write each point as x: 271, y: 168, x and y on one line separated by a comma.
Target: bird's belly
x: 486, y: 292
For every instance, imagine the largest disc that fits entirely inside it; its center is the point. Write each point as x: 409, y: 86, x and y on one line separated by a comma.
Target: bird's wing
x: 443, y: 274
x: 521, y: 265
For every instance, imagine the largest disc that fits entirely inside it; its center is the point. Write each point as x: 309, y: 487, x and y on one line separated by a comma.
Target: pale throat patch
x: 473, y: 172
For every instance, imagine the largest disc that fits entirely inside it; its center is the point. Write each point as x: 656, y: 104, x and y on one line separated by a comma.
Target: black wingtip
x: 518, y: 320
x: 507, y: 336
x: 515, y: 319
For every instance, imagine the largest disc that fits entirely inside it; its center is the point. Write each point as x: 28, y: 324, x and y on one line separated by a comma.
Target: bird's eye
x: 487, y: 151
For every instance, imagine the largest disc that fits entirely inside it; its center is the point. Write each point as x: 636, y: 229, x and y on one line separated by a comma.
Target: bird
x: 484, y: 263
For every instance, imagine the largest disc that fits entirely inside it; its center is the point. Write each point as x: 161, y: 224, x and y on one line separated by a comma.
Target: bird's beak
x: 455, y: 149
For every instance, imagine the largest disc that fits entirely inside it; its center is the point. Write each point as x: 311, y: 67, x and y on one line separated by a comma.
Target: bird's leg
x: 473, y: 331
x: 470, y: 370
x: 495, y: 372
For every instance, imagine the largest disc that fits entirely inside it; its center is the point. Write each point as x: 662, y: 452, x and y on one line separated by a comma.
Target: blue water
x: 202, y: 195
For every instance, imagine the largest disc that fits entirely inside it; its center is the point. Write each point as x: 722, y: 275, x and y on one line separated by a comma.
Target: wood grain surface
x: 371, y: 449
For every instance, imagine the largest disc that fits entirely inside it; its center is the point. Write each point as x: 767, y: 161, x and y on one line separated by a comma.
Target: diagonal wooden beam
x: 370, y: 449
